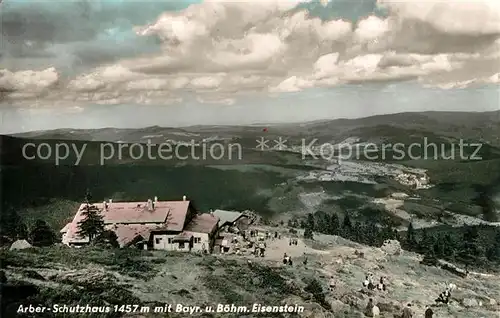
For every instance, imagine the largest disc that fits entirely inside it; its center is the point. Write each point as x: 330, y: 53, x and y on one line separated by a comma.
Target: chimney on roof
x: 184, y: 198
x: 150, y: 205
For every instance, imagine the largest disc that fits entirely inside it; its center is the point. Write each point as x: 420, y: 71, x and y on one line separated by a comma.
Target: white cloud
x: 233, y: 47
x: 28, y: 81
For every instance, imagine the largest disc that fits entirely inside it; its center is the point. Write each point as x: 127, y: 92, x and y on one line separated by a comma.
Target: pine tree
x: 439, y: 246
x: 395, y: 235
x: 372, y: 233
x: 358, y: 233
x: 107, y: 238
x: 310, y: 223
x: 22, y: 231
x: 321, y: 221
x: 449, y: 246
x: 303, y: 224
x: 387, y: 233
x: 12, y: 225
x: 485, y: 200
x: 334, y: 225
x: 347, y: 222
x: 427, y: 242
x: 497, y: 244
x: 430, y: 258
x: 471, y: 251
x: 427, y: 246
x: 308, y: 233
x: 347, y: 227
x: 92, y: 224
x: 410, y: 236
x: 316, y: 289
x: 41, y: 234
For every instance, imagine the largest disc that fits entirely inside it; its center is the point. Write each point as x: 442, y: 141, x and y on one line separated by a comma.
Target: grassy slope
x: 145, y: 278
x: 95, y: 276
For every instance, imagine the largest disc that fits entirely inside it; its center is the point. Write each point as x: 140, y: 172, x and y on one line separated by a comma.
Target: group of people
x: 265, y: 236
x: 408, y: 312
x: 370, y: 283
x: 287, y: 260
x: 444, y: 297
x: 260, y: 249
x: 253, y: 233
x: 373, y: 310
x: 293, y: 241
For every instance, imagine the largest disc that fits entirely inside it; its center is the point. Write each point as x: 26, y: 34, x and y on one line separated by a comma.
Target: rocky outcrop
x: 470, y: 302
x: 391, y: 247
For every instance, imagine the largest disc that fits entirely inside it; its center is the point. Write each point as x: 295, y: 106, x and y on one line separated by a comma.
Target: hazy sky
x: 89, y: 64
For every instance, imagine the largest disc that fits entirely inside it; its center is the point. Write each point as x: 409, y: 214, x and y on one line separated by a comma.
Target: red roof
x: 171, y: 215
x: 203, y: 223
x: 126, y: 233
x: 137, y: 212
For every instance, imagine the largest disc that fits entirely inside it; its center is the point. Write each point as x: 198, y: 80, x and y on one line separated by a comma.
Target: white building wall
x: 164, y: 242
x: 64, y: 238
x: 201, y: 241
x: 67, y: 239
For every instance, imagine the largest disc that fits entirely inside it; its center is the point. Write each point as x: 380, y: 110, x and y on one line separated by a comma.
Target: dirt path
x: 276, y: 248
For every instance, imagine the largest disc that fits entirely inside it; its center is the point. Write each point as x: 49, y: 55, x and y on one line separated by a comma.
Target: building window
x: 181, y: 244
x: 169, y: 240
x: 158, y: 240
x: 197, y: 240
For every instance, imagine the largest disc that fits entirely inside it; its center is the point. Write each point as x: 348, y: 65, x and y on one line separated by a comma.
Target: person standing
x: 369, y: 308
x: 428, y: 312
x: 366, y: 281
x: 407, y: 312
x: 332, y: 284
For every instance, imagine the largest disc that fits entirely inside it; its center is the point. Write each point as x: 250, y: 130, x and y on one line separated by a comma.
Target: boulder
x: 353, y: 300
x: 311, y: 309
x: 388, y: 307
x: 337, y: 305
x: 256, y: 281
x: 470, y: 302
x: 391, y: 247
x: 20, y: 245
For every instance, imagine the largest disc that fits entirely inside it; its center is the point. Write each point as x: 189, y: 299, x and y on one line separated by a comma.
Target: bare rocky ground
x: 245, y: 279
